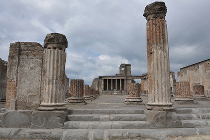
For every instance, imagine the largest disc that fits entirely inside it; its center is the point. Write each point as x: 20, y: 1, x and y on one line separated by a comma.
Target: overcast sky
x: 102, y: 34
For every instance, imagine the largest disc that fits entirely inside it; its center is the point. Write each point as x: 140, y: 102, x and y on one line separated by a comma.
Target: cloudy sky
x: 102, y: 34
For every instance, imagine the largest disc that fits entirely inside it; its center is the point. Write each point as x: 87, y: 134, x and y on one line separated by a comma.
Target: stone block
x: 48, y: 119
x: 17, y: 119
x: 163, y: 119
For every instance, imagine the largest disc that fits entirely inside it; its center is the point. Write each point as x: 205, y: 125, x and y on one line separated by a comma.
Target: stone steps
x: 193, y: 117
x: 106, y: 125
x: 192, y: 110
x: 104, y: 117
x: 106, y: 111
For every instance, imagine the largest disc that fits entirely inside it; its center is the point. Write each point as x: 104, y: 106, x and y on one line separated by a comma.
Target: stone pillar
x: 183, y: 93
x: 120, y: 84
x: 111, y: 84
x: 116, y: 84
x: 133, y: 91
x: 54, y: 60
x: 102, y: 84
x: 158, y: 68
x: 76, y: 90
x: 198, y: 91
x: 86, y: 94
x: 107, y: 84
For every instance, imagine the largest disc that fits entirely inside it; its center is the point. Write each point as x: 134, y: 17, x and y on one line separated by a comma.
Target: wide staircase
x: 106, y: 119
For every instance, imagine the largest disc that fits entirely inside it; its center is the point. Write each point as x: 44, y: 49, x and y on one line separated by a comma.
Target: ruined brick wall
x: 198, y: 73
x: 66, y: 87
x: 24, y: 75
x: 144, y: 84
x: 183, y: 90
x: 3, y: 79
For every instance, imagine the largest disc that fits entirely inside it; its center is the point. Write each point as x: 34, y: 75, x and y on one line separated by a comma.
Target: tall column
x: 158, y: 69
x: 116, y: 84
x: 102, y: 84
x: 120, y: 84
x: 107, y: 84
x: 111, y: 84
x: 54, y: 60
x: 86, y: 92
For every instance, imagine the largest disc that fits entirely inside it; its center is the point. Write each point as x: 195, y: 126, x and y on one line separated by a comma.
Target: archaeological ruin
x: 41, y: 102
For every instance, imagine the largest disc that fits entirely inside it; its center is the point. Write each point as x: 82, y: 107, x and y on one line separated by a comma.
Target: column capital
x: 154, y: 10
x: 55, y: 41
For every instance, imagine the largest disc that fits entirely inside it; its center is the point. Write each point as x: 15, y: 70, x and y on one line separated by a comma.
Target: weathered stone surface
x: 17, y: 119
x: 48, y: 119
x: 158, y: 69
x: 55, y: 40
x: 133, y: 91
x: 163, y: 119
x: 24, y: 64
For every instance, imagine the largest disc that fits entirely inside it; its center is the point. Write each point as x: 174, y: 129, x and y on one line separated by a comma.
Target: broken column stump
x: 198, y: 92
x: 54, y: 60
x: 183, y: 93
x: 158, y: 68
x: 86, y: 93
x: 133, y: 91
x: 76, y: 91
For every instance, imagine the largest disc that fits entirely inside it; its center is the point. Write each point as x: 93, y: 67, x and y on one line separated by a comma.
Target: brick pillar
x: 183, y: 92
x: 107, y: 84
x: 111, y: 84
x: 86, y: 94
x: 198, y: 91
x: 76, y: 90
x: 158, y: 68
x: 102, y: 84
x: 133, y: 91
x: 54, y: 68
x: 120, y: 84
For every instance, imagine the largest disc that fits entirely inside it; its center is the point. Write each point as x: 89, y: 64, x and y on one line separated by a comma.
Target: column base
x: 200, y: 98
x: 133, y: 101
x: 160, y: 106
x: 184, y: 101
x: 76, y: 101
x: 52, y: 107
x: 87, y: 98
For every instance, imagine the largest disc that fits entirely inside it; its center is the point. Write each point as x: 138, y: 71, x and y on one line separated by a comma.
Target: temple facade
x: 115, y: 84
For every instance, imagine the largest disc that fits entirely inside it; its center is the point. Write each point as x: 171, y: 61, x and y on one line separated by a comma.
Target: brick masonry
x: 183, y: 90
x: 133, y: 89
x: 198, y: 90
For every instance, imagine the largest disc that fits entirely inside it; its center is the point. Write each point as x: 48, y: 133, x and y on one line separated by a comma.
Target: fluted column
x: 158, y: 68
x: 54, y: 60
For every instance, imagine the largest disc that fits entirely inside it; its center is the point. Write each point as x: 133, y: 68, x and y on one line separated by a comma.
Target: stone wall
x: 24, y: 76
x: 3, y: 79
x: 197, y: 74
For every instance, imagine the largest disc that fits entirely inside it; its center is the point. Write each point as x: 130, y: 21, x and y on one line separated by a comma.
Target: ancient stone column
x: 133, y: 91
x: 86, y: 94
x: 76, y: 90
x: 198, y: 91
x: 183, y: 93
x: 54, y: 60
x: 158, y: 68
